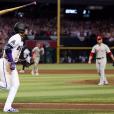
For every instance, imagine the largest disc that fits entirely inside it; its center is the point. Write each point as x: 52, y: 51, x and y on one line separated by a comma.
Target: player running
x: 36, y: 53
x: 101, y: 50
x: 9, y: 74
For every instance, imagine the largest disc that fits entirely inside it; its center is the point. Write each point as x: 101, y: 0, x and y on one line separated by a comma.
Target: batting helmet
x: 19, y: 27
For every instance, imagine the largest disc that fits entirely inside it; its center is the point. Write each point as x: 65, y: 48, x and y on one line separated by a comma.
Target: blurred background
x: 80, y: 22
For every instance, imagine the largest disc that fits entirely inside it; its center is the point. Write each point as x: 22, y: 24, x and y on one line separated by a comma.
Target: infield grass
x: 69, y: 66
x: 63, y: 88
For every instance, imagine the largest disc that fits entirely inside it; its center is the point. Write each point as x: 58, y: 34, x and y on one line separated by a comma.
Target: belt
x: 100, y: 58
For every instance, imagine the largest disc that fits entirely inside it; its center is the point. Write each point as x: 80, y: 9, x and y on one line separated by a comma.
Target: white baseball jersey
x: 26, y: 55
x: 37, y: 51
x: 17, y: 44
x: 100, y: 50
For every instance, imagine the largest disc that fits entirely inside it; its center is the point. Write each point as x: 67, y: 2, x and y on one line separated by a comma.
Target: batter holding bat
x: 101, y: 50
x: 8, y: 71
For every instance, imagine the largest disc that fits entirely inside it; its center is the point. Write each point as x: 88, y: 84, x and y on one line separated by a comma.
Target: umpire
x: 25, y: 59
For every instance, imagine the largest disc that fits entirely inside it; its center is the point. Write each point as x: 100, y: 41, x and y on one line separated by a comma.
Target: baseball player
x: 25, y: 59
x: 36, y: 53
x: 101, y: 50
x: 8, y: 71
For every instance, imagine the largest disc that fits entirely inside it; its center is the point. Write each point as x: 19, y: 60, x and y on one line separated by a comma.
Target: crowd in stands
x: 86, y: 31
x: 77, y: 32
x: 74, y: 56
x: 72, y: 28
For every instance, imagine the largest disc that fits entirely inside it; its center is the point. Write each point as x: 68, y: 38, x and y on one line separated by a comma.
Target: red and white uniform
x: 37, y: 52
x: 101, y: 52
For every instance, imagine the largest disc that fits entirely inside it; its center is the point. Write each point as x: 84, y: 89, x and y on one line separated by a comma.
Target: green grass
x: 69, y: 66
x: 63, y: 88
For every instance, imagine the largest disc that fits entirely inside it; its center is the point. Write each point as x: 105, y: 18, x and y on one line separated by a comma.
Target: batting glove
x: 12, y: 66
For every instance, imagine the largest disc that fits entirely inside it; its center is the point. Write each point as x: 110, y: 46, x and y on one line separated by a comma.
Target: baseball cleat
x: 32, y: 73
x: 21, y: 71
x: 12, y: 110
x: 37, y: 74
x: 100, y: 84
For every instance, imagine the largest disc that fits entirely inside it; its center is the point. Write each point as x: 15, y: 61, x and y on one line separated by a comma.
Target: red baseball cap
x: 99, y: 37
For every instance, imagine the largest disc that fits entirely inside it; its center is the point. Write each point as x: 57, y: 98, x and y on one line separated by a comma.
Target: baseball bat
x: 16, y: 8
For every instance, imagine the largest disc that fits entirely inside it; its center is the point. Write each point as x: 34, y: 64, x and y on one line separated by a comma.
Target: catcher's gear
x: 19, y: 27
x: 12, y: 66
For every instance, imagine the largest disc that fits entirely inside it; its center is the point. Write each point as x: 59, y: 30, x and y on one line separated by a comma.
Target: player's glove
x: 112, y: 63
x: 12, y: 65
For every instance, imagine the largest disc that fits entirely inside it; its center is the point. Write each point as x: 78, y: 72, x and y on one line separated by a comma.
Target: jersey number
x: 19, y: 48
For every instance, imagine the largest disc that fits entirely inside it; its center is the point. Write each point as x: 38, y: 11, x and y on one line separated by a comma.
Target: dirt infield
x: 91, y: 82
x: 62, y: 106
x: 68, y: 105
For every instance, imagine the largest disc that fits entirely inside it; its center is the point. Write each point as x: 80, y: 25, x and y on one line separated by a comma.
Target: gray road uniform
x: 101, y: 60
x: 37, y: 52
